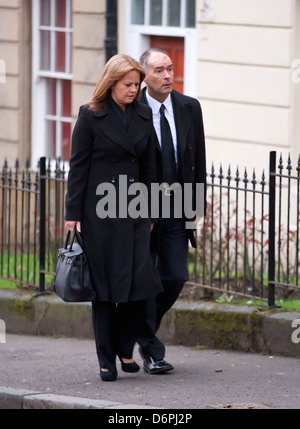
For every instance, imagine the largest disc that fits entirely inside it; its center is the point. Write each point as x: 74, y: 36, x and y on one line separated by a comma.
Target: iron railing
x: 248, y: 243
x: 232, y: 239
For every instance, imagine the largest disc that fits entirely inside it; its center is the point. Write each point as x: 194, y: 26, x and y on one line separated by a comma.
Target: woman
x: 113, y: 141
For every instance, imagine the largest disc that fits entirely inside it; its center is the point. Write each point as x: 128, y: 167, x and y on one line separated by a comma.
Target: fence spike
x: 254, y: 182
x: 212, y: 175
x: 245, y: 180
x: 229, y: 175
x: 263, y: 180
x: 28, y: 179
x: 57, y: 167
x: 36, y: 182
x: 280, y: 165
x: 49, y: 167
x: 221, y: 173
x: 289, y: 165
x: 16, y: 174
x: 23, y: 179
x: 63, y: 170
x: 10, y: 177
x: 237, y: 176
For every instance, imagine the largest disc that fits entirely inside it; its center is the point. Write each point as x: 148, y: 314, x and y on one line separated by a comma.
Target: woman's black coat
x: 117, y: 248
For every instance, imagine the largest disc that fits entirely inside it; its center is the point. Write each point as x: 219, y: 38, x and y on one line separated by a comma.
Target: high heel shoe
x: 129, y: 367
x: 108, y: 375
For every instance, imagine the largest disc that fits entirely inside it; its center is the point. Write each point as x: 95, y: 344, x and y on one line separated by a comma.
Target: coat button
x: 113, y: 180
x: 133, y: 158
x: 131, y: 179
x: 193, y: 169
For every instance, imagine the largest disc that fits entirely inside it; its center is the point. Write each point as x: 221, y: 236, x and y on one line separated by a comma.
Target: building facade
x: 240, y: 58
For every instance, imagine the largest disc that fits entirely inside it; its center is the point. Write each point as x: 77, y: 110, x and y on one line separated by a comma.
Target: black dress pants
x: 116, y: 329
x: 171, y: 261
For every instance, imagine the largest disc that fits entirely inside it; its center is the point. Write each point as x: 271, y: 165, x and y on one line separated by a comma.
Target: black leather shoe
x: 152, y: 366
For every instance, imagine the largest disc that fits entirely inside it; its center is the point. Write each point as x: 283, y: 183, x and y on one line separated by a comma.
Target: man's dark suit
x: 170, y: 236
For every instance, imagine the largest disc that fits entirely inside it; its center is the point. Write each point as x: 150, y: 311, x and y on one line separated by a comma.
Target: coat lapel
x: 183, y: 118
x: 112, y: 129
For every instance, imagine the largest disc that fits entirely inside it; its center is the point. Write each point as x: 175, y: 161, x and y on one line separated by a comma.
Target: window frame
x: 39, y: 81
x: 165, y: 5
x: 136, y: 39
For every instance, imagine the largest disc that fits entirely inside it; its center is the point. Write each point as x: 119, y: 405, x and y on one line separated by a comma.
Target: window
x: 170, y: 13
x: 52, y: 34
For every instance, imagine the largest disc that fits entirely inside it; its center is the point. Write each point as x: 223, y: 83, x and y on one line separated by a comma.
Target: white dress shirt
x: 169, y: 114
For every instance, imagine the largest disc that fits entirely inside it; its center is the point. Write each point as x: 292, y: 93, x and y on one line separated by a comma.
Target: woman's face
x: 125, y: 90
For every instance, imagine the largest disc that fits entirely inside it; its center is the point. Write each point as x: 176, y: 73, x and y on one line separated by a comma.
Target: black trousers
x: 116, y: 329
x: 171, y: 261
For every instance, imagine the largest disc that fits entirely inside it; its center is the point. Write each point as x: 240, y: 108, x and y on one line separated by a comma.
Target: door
x: 174, y: 47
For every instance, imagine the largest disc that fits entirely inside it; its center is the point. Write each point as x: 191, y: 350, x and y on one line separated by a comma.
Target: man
x: 180, y: 154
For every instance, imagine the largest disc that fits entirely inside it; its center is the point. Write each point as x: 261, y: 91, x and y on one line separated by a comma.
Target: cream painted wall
x: 88, y: 55
x: 15, y: 47
x: 244, y: 80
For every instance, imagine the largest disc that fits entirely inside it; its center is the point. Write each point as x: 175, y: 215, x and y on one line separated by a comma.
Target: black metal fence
x: 248, y: 244
x: 232, y: 239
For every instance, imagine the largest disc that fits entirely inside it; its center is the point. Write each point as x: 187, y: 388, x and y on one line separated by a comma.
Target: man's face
x: 159, y: 79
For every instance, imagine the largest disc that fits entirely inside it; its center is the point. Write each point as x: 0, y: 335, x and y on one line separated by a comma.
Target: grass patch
x: 289, y: 304
x: 20, y: 269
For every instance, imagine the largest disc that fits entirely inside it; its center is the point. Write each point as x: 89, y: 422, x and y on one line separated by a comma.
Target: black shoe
x: 152, y: 366
x: 129, y: 367
x: 108, y: 375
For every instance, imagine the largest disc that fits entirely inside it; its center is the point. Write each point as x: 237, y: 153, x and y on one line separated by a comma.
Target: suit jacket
x: 190, y: 146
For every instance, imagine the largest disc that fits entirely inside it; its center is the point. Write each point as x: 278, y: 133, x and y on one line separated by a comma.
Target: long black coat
x: 190, y: 151
x: 118, y: 249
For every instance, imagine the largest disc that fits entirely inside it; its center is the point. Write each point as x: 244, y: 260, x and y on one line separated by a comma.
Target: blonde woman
x: 113, y: 140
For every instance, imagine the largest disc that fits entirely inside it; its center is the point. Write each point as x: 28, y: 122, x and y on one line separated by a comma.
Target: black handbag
x: 73, y: 281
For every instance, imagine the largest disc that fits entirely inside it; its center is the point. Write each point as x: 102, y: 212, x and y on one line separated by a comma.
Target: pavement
x: 224, y: 357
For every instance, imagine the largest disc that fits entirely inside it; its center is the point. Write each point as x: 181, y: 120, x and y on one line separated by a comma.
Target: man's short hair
x: 145, y: 57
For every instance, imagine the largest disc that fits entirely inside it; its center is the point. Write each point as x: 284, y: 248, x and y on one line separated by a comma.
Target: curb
x: 29, y: 400
x: 223, y: 326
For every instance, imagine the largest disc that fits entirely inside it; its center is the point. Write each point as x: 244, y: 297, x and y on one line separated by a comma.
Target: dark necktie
x: 167, y: 148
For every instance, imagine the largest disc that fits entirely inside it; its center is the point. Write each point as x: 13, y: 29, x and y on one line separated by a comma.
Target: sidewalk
x: 49, y: 359
x: 56, y: 373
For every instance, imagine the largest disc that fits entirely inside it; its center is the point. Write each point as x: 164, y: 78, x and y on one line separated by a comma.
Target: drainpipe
x: 111, y: 29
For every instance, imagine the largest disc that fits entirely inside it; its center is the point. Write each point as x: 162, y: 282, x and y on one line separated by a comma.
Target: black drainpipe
x: 111, y: 29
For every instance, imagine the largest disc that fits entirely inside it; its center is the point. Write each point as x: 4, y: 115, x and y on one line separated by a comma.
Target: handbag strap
x: 78, y: 238
x: 67, y: 239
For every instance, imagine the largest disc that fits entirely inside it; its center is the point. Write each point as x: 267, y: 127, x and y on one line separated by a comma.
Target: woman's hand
x: 152, y: 226
x: 70, y: 225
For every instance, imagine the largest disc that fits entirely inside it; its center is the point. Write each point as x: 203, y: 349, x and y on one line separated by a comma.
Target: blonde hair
x: 117, y: 67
